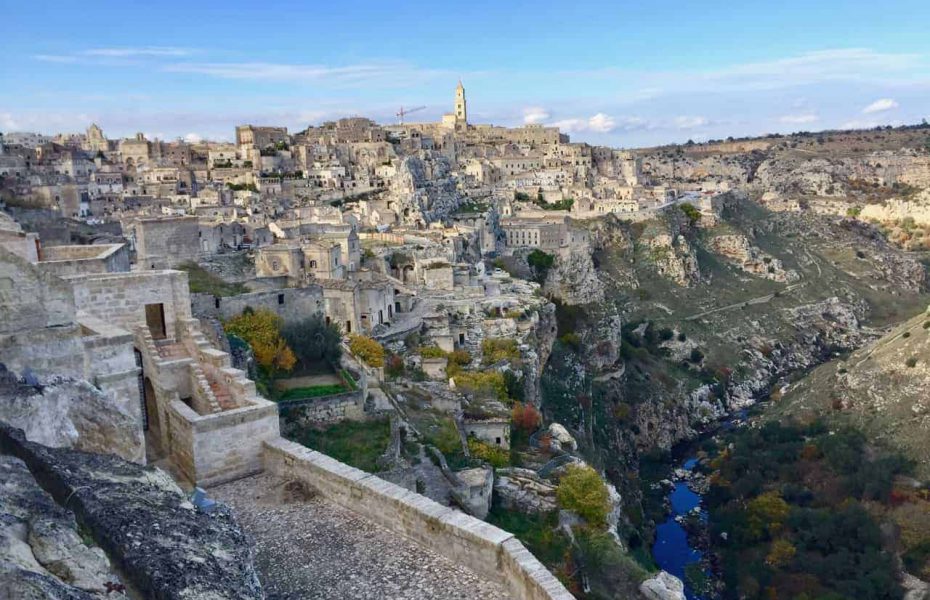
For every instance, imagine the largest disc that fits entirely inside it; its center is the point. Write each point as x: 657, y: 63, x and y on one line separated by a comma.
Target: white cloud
x: 396, y: 74
x: 143, y: 51
x: 598, y: 123
x: 193, y: 138
x: 880, y: 105
x: 602, y: 123
x: 534, y: 115
x: 800, y: 119
x: 686, y: 122
x: 56, y: 58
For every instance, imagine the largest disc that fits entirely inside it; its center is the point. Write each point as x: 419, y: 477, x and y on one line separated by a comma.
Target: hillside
x: 880, y: 389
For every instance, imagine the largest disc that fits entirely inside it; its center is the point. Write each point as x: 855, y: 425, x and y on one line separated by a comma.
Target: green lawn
x: 356, y: 443
x: 314, y: 391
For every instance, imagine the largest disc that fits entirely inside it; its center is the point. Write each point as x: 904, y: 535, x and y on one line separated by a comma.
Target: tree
x: 693, y: 214
x: 540, y: 262
x: 367, y: 349
x: 581, y: 490
x: 314, y: 341
x: 525, y: 417
x: 262, y: 330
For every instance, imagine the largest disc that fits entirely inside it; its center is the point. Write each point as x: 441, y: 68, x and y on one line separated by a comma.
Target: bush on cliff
x: 581, y: 490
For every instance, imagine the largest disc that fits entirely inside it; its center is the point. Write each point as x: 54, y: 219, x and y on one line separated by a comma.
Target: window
x: 280, y: 298
x: 497, y: 441
x: 348, y: 326
x: 216, y: 302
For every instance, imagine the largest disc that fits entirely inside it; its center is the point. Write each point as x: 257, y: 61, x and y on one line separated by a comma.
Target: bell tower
x: 461, y: 111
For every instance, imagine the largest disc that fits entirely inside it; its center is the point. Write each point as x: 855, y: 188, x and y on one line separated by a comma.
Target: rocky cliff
x: 71, y: 519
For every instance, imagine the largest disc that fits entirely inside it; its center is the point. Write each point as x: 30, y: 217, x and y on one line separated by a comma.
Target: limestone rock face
x: 71, y: 413
x: 573, y: 278
x: 524, y: 490
x: 40, y: 537
x: 424, y: 191
x: 674, y: 258
x: 163, y: 545
x: 663, y: 586
x: 749, y: 258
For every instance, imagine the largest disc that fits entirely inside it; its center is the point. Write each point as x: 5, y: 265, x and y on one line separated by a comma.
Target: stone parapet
x: 487, y: 550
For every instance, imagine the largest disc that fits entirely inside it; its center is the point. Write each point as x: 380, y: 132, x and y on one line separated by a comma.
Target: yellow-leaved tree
x: 262, y: 330
x: 583, y: 491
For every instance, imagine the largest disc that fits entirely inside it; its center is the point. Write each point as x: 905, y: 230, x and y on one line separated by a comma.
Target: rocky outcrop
x: 41, y: 551
x: 674, y: 258
x: 524, y: 490
x: 69, y: 413
x: 663, y: 586
x: 737, y: 249
x: 424, y: 191
x: 163, y: 545
x: 573, y: 279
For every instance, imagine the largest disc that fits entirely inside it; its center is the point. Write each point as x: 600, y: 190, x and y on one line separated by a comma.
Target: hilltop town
x: 447, y: 337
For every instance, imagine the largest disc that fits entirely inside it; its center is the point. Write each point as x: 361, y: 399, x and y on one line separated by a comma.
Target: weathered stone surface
x: 663, y: 586
x: 524, y: 490
x: 165, y: 547
x: 307, y: 547
x: 39, y: 536
x: 70, y: 413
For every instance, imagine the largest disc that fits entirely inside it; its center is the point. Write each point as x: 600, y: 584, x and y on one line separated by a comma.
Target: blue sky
x: 617, y: 73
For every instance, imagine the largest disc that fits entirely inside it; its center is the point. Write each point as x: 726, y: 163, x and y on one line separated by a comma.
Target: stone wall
x: 483, y: 548
x: 166, y: 243
x: 120, y: 298
x: 291, y: 304
x: 220, y: 447
x: 81, y: 260
x: 328, y: 409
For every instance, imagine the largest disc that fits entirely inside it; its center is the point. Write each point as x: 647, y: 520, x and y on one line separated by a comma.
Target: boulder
x: 561, y: 438
x: 663, y: 586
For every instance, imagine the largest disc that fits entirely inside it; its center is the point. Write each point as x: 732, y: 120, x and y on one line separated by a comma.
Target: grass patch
x: 202, y: 281
x: 313, y: 391
x: 356, y: 443
x: 538, y: 533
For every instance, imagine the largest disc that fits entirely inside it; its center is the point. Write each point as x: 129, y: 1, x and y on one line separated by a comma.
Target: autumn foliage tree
x: 525, y: 417
x: 262, y: 330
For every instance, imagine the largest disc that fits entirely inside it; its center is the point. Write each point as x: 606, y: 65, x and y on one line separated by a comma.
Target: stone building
x: 162, y: 243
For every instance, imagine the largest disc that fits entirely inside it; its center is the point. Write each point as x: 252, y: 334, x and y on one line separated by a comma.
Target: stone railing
x: 490, y: 552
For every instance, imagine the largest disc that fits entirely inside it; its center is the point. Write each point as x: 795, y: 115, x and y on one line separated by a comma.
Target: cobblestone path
x: 308, y: 547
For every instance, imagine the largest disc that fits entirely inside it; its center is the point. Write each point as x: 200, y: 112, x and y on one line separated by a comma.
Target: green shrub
x: 432, y: 352
x: 497, y: 349
x: 493, y: 455
x: 572, y: 340
x: 581, y: 490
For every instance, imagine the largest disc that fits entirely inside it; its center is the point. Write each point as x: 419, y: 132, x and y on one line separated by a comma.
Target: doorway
x: 155, y: 320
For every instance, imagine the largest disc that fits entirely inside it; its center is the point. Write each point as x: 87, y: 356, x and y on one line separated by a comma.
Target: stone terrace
x: 308, y: 547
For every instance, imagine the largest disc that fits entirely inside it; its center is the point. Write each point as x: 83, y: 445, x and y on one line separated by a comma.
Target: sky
x: 618, y: 73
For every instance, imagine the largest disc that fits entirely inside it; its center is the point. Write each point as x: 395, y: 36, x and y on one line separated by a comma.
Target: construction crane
x: 403, y: 112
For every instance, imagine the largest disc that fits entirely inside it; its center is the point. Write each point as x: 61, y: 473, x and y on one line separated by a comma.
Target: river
x: 672, y: 551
